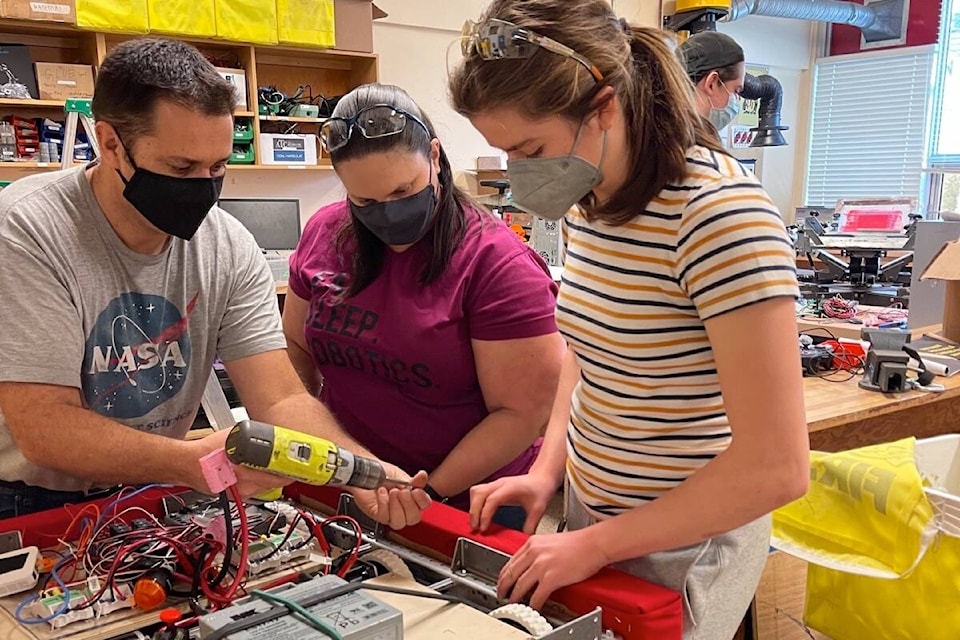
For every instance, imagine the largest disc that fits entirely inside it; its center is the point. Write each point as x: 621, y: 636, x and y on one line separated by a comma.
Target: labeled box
x: 292, y: 149
x: 47, y: 10
x: 57, y: 81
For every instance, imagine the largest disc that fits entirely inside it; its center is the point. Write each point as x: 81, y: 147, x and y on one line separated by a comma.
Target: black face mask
x: 399, y: 222
x: 176, y: 206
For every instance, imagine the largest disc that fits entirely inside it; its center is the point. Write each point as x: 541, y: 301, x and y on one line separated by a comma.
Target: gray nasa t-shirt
x: 136, y: 334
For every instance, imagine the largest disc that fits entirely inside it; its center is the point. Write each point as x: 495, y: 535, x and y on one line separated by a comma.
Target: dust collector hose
x: 835, y: 11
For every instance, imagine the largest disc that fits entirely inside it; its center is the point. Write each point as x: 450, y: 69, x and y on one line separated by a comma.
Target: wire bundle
x: 118, y: 546
x: 188, y: 552
x: 839, y: 308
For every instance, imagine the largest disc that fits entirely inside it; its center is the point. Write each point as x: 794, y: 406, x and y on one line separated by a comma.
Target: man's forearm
x: 303, y: 365
x: 496, y: 441
x: 105, y: 452
x: 302, y: 412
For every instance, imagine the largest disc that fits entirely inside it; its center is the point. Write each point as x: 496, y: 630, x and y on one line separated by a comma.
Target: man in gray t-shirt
x: 121, y: 282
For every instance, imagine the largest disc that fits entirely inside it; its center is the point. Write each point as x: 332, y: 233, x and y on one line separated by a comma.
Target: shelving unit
x: 31, y: 104
x: 327, y: 72
x: 292, y: 119
x: 324, y: 165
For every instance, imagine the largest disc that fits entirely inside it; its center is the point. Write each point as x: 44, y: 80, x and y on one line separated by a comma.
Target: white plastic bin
x: 938, y: 460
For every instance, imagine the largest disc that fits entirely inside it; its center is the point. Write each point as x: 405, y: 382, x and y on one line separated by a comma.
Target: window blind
x: 867, y: 131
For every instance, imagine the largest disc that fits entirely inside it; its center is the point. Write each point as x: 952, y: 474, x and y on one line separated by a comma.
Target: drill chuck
x: 301, y: 456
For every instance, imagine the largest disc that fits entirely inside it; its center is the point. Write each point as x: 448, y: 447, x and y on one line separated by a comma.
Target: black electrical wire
x: 286, y: 539
x: 228, y: 551
x: 429, y: 595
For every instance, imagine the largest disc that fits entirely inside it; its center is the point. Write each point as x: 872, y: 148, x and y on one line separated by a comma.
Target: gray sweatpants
x: 716, y: 578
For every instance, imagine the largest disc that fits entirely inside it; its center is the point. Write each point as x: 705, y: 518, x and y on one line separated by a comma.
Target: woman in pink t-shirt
x: 430, y: 324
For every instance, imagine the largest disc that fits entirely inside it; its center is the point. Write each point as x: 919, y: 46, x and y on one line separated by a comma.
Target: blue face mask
x: 720, y: 118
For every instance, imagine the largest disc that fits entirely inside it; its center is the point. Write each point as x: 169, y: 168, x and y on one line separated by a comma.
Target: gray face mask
x: 549, y: 187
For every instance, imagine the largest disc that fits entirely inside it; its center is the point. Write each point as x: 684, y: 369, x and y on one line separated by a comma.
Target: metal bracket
x: 473, y: 570
x: 348, y: 507
x: 484, y: 562
x: 586, y: 627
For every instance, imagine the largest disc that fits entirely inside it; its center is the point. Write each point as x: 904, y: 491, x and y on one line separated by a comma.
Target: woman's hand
x: 532, y: 491
x: 547, y: 562
x: 393, y: 506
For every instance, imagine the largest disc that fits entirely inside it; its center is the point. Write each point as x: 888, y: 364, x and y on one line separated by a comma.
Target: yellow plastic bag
x: 925, y: 604
x: 183, y: 17
x: 128, y: 16
x: 879, y: 567
x: 306, y: 22
x: 252, y: 21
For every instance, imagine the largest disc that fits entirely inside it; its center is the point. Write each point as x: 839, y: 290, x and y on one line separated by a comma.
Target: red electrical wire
x: 839, y: 308
x: 224, y: 598
x: 355, y: 552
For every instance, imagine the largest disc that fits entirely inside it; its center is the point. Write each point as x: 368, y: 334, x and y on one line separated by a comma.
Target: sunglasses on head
x: 498, y: 39
x: 375, y: 121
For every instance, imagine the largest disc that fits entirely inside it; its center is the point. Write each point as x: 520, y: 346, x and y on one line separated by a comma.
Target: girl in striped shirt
x: 679, y: 423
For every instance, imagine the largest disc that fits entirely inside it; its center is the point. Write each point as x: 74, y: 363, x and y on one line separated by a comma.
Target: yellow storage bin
x: 128, y: 16
x: 247, y: 20
x: 306, y: 22
x: 183, y: 17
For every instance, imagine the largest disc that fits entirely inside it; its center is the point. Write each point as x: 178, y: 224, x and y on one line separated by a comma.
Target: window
x: 944, y: 150
x: 868, y: 123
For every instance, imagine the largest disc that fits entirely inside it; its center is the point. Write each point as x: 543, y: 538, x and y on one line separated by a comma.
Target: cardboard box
x: 945, y: 267
x: 354, y: 24
x: 49, y: 10
x: 238, y: 78
x: 62, y: 81
x: 492, y: 163
x: 291, y: 149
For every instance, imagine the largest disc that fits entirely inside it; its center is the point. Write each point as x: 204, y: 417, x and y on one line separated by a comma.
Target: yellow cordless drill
x: 301, y: 456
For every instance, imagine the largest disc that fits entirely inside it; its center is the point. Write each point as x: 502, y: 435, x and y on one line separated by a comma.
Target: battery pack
x: 355, y: 615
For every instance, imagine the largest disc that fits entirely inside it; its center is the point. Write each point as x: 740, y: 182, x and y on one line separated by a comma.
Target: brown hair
x: 139, y: 73
x: 453, y: 205
x: 637, y: 62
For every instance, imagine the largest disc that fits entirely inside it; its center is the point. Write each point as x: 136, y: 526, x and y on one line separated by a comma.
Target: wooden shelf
x: 32, y: 166
x: 292, y: 119
x: 274, y: 167
x: 327, y: 72
x: 26, y: 104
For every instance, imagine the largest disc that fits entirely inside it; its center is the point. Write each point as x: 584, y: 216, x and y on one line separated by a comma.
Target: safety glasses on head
x: 375, y: 121
x: 498, y: 39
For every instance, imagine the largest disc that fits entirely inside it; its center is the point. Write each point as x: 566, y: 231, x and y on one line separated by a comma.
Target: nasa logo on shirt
x: 137, y: 355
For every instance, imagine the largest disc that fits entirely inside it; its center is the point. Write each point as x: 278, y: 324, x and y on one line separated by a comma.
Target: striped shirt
x: 647, y: 411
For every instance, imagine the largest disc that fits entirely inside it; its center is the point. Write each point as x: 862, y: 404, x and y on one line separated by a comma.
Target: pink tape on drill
x: 217, y: 471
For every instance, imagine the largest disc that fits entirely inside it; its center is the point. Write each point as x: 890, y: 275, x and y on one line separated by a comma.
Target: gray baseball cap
x: 706, y: 51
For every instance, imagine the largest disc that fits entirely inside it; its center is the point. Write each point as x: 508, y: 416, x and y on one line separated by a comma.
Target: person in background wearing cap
x: 714, y: 63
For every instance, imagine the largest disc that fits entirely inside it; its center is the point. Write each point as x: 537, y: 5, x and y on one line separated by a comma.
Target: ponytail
x: 637, y: 62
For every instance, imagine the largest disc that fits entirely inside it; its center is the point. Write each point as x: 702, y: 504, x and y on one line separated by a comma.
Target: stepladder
x: 79, y: 111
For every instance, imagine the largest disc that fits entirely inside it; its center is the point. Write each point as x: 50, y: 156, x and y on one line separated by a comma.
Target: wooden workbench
x: 841, y: 415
